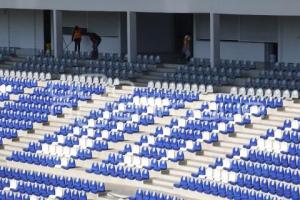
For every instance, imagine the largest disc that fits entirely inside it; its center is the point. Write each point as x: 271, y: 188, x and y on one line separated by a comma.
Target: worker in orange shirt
x: 76, y: 37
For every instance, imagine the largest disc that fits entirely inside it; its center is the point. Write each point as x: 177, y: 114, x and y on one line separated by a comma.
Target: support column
x: 57, y: 34
x: 214, y: 39
x: 131, y: 36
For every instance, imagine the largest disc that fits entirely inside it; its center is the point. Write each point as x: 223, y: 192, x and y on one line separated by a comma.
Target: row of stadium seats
x: 90, y: 79
x: 204, y: 89
x: 265, y: 83
x: 237, y: 64
x: 25, y: 75
x: 145, y: 194
x: 286, y: 94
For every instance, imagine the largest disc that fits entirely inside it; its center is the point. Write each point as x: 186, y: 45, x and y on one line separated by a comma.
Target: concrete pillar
x: 131, y: 37
x: 214, y: 39
x: 57, y: 34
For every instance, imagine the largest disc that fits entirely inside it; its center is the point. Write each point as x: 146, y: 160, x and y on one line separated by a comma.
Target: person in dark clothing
x: 76, y: 37
x: 96, y: 40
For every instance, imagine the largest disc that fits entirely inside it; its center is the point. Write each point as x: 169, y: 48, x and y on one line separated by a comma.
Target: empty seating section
x: 36, y: 107
x: 25, y: 185
x: 131, y: 163
x: 266, y: 168
x: 277, y: 76
x: 198, y: 71
x: 5, y: 52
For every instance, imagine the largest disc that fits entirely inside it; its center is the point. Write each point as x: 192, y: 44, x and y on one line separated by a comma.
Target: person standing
x: 76, y: 37
x: 186, y: 51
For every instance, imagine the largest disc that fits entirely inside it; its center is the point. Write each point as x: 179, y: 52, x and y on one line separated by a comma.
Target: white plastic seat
x: 165, y: 85
x: 202, y: 89
x: 42, y: 76
x: 76, y: 78
x: 18, y: 74
x: 48, y: 76
x: 63, y: 77
x: 89, y: 79
x: 96, y: 80
x: 268, y: 93
x: 116, y: 82
x: 259, y: 92
x: 179, y: 86
x: 242, y: 91
x: 157, y: 84
x: 295, y: 94
x: 234, y: 90
x: 24, y: 75
x: 150, y: 84
x: 187, y: 87
x: 36, y: 75
x: 69, y: 78
x: 12, y: 73
x: 251, y: 92
x: 286, y: 94
x: 194, y: 87
x: 1, y: 73
x: 109, y: 81
x: 6, y: 73
x: 277, y: 93
x: 29, y: 75
x: 209, y: 89
x: 82, y: 79
x: 172, y: 86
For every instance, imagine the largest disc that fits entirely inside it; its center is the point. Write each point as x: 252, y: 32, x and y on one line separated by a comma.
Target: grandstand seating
x: 172, y: 139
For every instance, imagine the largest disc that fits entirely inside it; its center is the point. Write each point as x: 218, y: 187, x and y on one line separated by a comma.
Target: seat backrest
x: 187, y: 87
x: 202, y: 89
x: 179, y: 86
x: 295, y: 94
x: 172, y: 86
x: 209, y: 89
x: 242, y: 91
x: 63, y: 77
x: 234, y: 90
x: 157, y: 84
x: 150, y: 84
x: 259, y: 92
x: 277, y: 93
x: 194, y: 88
x: 268, y: 93
x: 250, y: 92
x: 165, y: 85
x: 286, y: 94
x: 116, y: 82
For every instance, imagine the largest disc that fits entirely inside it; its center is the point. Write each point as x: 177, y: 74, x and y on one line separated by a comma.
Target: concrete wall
x: 289, y: 39
x: 253, y: 7
x: 22, y: 29
x: 244, y: 37
x: 232, y: 50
